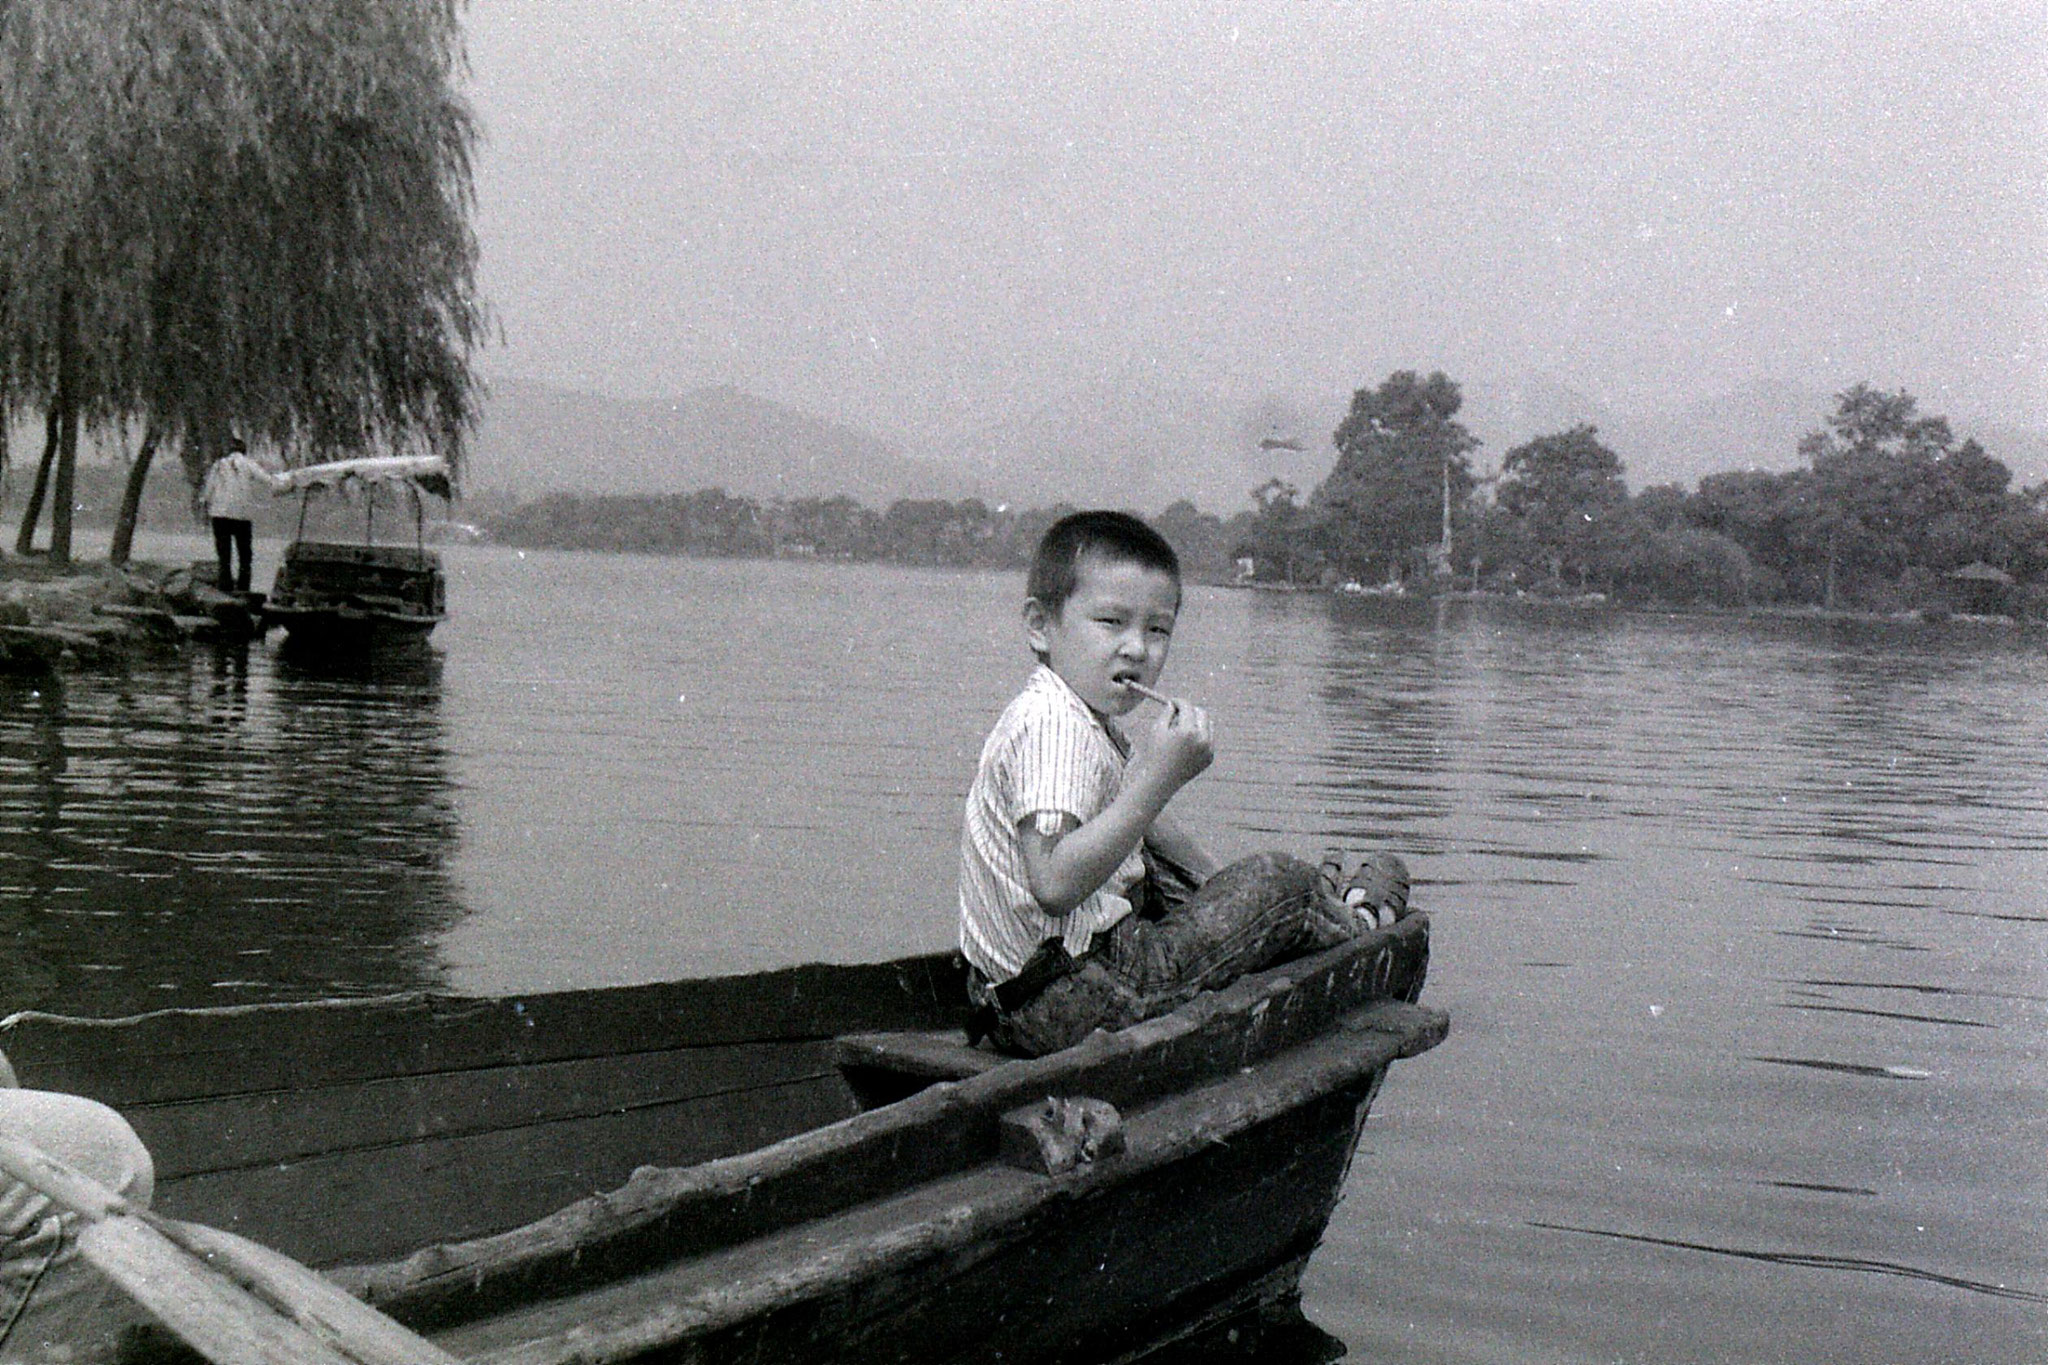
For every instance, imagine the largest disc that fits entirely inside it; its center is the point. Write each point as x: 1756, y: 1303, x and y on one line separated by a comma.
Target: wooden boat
x: 799, y: 1165
x: 357, y: 595
x: 331, y: 595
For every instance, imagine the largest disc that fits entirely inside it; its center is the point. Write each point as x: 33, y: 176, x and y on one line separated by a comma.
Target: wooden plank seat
x: 884, y: 1067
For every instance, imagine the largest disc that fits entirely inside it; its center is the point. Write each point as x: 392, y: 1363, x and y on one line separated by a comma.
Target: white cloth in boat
x: 54, y: 1307
x: 1048, y: 756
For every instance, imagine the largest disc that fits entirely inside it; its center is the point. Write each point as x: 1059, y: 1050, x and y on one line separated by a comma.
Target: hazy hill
x: 1129, y: 446
x: 1126, y: 445
x: 534, y: 438
x: 1099, y: 446
x: 1144, y: 447
x: 1757, y: 428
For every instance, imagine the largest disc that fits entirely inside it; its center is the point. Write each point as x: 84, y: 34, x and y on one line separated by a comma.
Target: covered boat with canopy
x: 359, y: 595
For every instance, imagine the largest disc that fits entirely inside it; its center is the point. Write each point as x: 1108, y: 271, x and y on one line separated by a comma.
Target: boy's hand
x: 1066, y: 868
x: 1177, y: 746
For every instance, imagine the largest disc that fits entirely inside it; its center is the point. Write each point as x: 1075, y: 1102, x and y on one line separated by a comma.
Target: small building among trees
x: 1980, y: 589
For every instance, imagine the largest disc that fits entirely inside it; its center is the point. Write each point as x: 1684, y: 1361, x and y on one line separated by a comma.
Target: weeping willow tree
x: 245, y: 217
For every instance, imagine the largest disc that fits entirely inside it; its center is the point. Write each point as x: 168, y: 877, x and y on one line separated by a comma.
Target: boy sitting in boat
x: 1083, y: 904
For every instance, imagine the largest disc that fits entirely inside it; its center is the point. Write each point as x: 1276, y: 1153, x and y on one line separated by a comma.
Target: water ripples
x: 1739, y: 921
x: 1816, y: 1261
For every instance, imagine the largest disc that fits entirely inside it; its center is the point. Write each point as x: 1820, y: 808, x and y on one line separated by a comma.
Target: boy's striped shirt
x: 1048, y: 756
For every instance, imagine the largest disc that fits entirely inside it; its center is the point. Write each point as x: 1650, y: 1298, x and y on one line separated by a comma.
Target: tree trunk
x: 26, y: 541
x: 62, y: 491
x: 63, y: 488
x: 131, y: 498
x: 1834, y: 555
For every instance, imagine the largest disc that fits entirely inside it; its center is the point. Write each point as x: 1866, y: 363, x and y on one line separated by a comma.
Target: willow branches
x: 239, y: 215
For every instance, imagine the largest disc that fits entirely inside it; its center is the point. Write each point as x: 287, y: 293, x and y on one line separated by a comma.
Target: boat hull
x: 357, y: 596
x: 1111, y: 1271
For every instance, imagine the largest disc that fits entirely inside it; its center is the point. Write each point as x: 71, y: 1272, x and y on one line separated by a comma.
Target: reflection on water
x: 1280, y: 1335
x: 1741, y: 932
x: 217, y: 832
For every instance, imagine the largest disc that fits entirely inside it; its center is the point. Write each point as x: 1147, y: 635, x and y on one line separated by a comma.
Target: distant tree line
x: 925, y: 531
x: 1889, y: 511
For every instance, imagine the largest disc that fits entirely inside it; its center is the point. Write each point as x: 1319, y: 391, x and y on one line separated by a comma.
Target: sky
x: 909, y: 213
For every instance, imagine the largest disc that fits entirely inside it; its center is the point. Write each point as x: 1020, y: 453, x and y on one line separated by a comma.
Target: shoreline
x: 93, y: 614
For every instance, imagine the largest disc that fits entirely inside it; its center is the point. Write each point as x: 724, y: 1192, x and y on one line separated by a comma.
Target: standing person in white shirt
x: 1083, y: 905
x: 229, y: 496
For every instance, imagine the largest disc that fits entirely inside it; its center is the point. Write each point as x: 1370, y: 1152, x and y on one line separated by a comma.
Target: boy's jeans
x: 1254, y: 913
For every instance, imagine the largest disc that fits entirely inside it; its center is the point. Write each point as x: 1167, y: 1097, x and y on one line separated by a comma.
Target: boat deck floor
x: 933, y: 1232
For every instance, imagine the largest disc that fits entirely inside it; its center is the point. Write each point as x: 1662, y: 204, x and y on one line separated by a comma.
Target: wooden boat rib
x: 801, y: 1165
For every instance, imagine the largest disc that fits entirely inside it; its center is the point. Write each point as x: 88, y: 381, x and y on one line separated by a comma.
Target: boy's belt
x: 1050, y: 963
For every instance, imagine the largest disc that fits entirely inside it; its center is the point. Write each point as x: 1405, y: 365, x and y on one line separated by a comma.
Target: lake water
x: 1740, y: 923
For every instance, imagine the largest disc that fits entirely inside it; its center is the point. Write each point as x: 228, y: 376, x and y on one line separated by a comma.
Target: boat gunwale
x: 351, y: 618
x: 1314, y: 1069
x: 955, y: 1124
x: 385, y: 554
x: 498, y: 1026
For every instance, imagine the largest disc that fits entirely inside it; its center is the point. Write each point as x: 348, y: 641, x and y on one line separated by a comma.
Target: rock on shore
x: 104, y: 616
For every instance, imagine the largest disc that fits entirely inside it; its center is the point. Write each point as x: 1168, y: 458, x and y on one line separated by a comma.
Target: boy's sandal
x: 1380, y: 887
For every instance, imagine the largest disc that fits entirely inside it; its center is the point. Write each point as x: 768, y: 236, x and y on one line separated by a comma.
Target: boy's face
x: 1113, y: 630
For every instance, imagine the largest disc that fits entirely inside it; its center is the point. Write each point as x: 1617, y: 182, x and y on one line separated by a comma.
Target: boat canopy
x: 427, y: 473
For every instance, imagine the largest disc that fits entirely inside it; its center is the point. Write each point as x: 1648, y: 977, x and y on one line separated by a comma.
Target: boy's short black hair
x: 1055, y: 568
